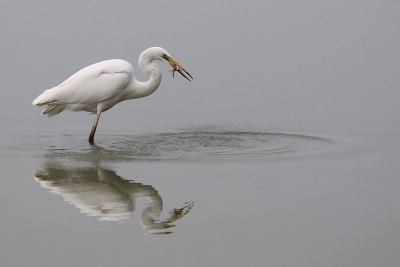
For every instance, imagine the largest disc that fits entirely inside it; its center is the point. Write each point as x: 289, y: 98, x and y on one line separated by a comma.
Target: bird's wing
x: 93, y: 84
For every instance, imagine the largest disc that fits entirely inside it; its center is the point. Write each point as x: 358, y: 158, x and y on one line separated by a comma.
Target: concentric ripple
x: 197, y: 144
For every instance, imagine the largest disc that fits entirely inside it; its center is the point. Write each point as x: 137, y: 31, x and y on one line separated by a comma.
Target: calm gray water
x: 282, y: 151
x: 214, y: 196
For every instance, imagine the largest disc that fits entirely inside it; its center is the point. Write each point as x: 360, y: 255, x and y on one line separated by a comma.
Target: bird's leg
x: 91, y: 136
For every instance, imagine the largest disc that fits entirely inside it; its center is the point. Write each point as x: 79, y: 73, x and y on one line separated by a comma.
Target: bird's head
x: 162, y: 55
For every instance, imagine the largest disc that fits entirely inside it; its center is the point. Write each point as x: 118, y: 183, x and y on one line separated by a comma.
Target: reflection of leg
x: 91, y: 136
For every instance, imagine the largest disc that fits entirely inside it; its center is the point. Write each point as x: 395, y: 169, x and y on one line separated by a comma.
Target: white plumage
x: 100, y: 86
x: 88, y: 87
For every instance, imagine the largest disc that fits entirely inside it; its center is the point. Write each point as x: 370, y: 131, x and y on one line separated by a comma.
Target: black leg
x: 91, y: 136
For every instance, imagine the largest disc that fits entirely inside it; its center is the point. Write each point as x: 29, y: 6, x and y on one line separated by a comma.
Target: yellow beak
x: 179, y: 69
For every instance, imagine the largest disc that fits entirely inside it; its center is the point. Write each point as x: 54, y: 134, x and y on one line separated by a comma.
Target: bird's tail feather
x: 52, y: 110
x: 52, y: 106
x: 44, y: 99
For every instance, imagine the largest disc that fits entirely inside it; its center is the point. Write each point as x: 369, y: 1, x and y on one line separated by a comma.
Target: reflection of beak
x: 180, y: 69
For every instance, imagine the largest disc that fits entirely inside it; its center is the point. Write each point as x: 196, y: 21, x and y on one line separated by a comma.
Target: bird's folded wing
x: 90, y: 85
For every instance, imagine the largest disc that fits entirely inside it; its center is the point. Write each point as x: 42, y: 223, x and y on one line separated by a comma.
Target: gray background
x: 328, y: 69
x: 314, y: 66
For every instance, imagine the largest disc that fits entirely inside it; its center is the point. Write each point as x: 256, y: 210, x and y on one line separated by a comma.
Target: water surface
x: 206, y: 143
x: 200, y: 196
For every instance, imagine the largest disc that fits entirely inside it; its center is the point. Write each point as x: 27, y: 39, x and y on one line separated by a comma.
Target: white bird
x: 100, y: 86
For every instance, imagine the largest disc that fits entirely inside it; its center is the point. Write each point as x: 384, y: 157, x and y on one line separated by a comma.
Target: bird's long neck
x: 142, y: 89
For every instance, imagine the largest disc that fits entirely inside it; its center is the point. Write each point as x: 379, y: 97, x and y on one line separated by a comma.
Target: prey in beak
x: 177, y: 67
x: 173, y: 71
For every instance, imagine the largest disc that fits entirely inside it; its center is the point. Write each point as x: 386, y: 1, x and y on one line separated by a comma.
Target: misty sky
x: 285, y: 66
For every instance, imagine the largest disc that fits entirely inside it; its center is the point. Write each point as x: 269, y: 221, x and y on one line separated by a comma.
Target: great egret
x: 100, y: 86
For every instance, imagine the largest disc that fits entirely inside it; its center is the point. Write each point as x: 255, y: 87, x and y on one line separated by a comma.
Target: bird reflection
x: 101, y: 192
